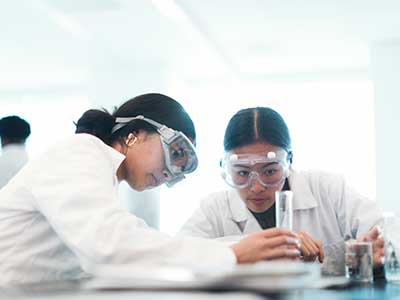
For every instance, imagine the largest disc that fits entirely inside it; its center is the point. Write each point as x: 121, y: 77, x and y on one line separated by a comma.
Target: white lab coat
x: 324, y: 207
x: 13, y: 158
x: 60, y: 219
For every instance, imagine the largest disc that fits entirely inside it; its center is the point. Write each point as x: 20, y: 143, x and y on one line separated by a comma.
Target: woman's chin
x: 137, y: 187
x: 258, y: 205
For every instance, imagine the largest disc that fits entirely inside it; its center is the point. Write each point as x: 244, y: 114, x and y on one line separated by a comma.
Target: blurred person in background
x: 14, y: 132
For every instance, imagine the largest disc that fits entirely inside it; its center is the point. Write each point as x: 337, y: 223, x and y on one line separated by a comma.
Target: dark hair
x: 257, y: 124
x: 157, y: 107
x: 14, y: 129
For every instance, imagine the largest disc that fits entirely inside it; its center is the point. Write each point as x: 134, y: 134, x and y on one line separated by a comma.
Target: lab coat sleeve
x: 356, y: 213
x: 79, y: 201
x: 204, y: 222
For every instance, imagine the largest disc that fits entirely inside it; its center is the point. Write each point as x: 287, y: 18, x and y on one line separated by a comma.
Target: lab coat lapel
x: 246, y: 222
x: 302, y: 195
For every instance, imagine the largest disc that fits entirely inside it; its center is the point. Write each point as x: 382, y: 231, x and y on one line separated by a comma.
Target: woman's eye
x: 243, y: 173
x: 270, y: 172
x: 178, y: 154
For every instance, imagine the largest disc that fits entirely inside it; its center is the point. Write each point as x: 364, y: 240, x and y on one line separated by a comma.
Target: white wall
x: 386, y: 74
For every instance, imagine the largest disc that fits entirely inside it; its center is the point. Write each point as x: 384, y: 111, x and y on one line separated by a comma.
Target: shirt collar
x: 14, y: 150
x: 116, y: 158
x: 10, y: 147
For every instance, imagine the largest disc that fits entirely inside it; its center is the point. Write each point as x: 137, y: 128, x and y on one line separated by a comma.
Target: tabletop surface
x: 380, y: 290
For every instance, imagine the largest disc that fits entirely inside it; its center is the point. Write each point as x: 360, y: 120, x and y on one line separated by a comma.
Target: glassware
x: 359, y: 261
x: 284, y: 209
x: 392, y: 248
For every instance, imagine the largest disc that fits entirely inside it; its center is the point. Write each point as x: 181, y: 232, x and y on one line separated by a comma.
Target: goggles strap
x: 167, y: 133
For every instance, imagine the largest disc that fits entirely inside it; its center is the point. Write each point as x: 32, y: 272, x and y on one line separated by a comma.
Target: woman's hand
x: 377, y: 244
x: 274, y: 243
x: 310, y: 248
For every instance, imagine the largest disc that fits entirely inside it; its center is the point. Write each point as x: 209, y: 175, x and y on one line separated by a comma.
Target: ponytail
x: 98, y: 123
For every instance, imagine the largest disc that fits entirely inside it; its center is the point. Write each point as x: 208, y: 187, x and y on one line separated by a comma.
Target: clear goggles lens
x: 180, y: 158
x: 179, y: 153
x: 270, y: 169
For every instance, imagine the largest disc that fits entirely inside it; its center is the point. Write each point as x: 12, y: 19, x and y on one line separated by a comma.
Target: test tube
x: 284, y: 209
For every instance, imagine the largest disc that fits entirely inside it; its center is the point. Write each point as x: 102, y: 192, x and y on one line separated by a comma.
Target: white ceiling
x: 57, y: 42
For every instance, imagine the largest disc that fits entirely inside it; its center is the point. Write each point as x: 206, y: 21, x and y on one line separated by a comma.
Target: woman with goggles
x: 60, y: 217
x: 256, y: 164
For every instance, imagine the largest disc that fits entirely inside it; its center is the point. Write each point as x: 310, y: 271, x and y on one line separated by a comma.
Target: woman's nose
x: 255, y: 185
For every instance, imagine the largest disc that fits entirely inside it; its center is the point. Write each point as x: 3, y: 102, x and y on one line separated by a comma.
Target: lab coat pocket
x: 334, y: 258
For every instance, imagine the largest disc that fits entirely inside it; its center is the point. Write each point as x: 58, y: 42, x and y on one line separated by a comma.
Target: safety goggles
x: 269, y: 168
x: 179, y: 153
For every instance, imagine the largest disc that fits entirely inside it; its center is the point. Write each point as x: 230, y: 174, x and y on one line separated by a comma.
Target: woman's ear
x: 130, y: 140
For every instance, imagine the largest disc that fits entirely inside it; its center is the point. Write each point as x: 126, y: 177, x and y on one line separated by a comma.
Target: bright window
x: 51, y: 117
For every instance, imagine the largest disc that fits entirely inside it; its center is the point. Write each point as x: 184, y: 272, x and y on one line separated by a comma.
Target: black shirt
x: 267, y: 219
